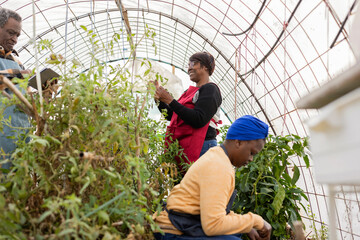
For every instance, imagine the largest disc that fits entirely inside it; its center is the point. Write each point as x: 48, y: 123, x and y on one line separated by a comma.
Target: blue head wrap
x: 247, y: 128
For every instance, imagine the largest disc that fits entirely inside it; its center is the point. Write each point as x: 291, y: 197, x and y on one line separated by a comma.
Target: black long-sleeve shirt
x: 205, y: 108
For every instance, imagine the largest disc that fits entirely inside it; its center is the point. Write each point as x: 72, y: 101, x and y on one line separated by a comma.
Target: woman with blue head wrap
x: 245, y: 138
x: 199, y: 207
x: 248, y: 128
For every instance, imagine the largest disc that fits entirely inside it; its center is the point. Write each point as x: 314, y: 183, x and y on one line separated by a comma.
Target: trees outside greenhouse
x: 95, y: 166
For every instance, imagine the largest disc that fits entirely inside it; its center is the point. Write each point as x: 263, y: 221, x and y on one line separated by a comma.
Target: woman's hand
x: 162, y: 94
x: 265, y: 232
x: 253, y: 234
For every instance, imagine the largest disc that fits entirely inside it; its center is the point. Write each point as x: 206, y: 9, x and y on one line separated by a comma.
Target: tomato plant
x: 267, y: 186
x: 94, y: 168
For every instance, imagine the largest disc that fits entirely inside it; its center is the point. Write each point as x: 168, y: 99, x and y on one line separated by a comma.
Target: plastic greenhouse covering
x: 269, y: 54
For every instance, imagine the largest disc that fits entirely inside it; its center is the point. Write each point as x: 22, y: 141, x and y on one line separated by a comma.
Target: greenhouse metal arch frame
x: 276, y: 103
x: 43, y: 35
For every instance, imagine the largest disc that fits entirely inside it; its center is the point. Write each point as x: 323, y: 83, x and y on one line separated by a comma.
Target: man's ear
x: 239, y: 143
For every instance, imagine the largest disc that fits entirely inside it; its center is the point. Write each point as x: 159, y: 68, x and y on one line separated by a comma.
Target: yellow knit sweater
x: 206, y: 189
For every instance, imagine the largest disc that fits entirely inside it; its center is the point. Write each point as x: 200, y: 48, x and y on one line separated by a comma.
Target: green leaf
x: 294, y: 215
x: 304, y: 196
x: 50, y: 138
x: 306, y: 160
x: 111, y: 174
x: 40, y: 141
x: 2, y: 189
x: 147, y: 72
x: 266, y: 190
x: 278, y: 200
x: 306, y: 142
x: 269, y: 214
x: 44, y: 215
x: 2, y: 202
x: 287, y: 177
x: 103, y: 215
x: 297, y: 147
x: 66, y: 232
x: 296, y: 191
x: 267, y: 184
x: 296, y: 175
x: 146, y: 148
x: 83, y: 27
x: 85, y: 185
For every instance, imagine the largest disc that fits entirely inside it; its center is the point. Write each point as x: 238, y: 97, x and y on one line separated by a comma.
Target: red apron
x: 190, y: 139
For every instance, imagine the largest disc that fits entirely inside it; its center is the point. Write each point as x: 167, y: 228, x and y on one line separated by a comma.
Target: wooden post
x: 16, y: 91
x: 299, y: 231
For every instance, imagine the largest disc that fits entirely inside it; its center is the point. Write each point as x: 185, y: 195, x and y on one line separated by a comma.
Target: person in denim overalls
x: 14, y: 124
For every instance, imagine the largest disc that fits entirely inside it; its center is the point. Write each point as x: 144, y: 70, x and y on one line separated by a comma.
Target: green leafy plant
x: 316, y: 233
x: 222, y: 133
x: 95, y: 165
x: 267, y: 186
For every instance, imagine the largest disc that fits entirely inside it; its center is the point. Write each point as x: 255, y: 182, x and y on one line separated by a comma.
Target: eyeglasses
x: 192, y: 64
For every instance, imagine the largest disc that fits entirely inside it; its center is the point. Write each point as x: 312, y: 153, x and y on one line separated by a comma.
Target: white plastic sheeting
x: 278, y: 61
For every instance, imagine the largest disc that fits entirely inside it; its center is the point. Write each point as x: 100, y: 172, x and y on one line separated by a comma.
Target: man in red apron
x: 194, y: 116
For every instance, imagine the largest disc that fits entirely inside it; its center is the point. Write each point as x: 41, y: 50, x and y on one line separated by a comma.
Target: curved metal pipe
x: 251, y: 25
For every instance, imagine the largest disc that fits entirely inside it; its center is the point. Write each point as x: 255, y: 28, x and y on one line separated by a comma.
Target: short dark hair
x: 205, y: 59
x: 5, y: 14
